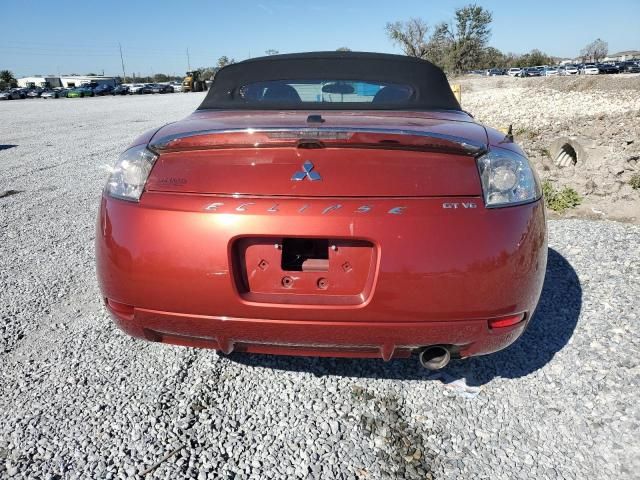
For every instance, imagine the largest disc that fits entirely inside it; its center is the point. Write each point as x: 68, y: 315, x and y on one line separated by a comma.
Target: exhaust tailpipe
x: 434, y: 358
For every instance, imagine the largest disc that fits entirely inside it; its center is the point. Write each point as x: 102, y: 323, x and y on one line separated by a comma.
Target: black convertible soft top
x: 427, y: 83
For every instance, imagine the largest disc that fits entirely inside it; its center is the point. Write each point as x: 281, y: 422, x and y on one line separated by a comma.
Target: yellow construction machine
x: 192, y: 82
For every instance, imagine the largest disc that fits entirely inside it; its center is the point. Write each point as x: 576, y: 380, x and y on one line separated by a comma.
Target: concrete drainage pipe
x: 566, y: 152
x: 566, y: 157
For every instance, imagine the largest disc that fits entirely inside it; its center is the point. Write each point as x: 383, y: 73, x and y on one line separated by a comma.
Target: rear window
x: 323, y: 92
x: 331, y: 81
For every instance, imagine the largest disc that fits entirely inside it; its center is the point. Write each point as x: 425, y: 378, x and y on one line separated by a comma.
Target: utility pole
x: 188, y: 60
x: 124, y: 75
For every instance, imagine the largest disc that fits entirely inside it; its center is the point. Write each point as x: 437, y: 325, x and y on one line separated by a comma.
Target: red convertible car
x: 327, y: 204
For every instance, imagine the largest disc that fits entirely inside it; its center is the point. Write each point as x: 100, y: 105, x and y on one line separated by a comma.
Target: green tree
x: 207, y: 73
x: 456, y: 47
x: 440, y: 47
x: 343, y: 49
x: 224, y: 61
x: 468, y: 38
x: 6, y: 76
x: 493, y: 58
x: 534, y: 58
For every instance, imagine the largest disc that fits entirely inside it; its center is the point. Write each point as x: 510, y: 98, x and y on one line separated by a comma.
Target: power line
x: 84, y: 46
x: 113, y: 52
x: 20, y: 51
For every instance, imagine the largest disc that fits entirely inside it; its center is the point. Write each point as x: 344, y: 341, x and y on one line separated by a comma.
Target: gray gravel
x: 79, y: 399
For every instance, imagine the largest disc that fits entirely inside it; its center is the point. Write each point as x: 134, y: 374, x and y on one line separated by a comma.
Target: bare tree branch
x: 595, y: 51
x: 410, y: 35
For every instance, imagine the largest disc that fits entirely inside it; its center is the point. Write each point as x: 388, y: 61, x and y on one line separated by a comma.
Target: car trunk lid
x: 326, y: 154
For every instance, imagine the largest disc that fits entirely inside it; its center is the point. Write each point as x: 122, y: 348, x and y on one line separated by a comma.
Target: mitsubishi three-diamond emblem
x: 307, y: 172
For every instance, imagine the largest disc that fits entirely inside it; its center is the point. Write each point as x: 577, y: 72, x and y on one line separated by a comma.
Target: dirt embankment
x: 580, y: 132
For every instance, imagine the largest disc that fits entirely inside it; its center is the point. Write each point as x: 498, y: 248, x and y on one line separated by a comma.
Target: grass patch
x: 524, y: 132
x: 560, y: 200
x: 634, y: 181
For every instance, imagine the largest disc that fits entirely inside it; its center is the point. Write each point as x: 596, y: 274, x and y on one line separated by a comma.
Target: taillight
x: 503, y: 322
x: 129, y: 175
x: 121, y: 310
x: 507, y: 179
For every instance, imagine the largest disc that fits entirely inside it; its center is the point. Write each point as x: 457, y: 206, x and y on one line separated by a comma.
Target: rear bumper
x: 315, y: 338
x: 439, y: 274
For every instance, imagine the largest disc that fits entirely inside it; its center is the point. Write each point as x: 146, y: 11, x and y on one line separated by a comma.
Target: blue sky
x: 82, y: 37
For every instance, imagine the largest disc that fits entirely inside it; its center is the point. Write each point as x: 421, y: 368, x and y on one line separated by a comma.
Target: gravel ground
x: 538, y: 102
x: 79, y: 399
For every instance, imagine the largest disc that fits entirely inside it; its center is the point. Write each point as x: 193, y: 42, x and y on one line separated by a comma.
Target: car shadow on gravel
x: 550, y: 330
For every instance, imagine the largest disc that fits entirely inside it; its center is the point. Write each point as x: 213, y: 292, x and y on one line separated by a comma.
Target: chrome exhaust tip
x: 434, y: 358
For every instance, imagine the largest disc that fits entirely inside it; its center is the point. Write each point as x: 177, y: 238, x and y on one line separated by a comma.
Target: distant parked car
x: 494, y: 72
x: 22, y: 92
x: 136, y: 88
x: 514, y: 72
x: 50, y: 93
x: 568, y: 70
x: 10, y: 95
x: 629, y: 67
x: 35, y: 92
x: 80, y: 92
x: 120, y: 90
x: 550, y: 71
x: 103, y: 89
x: 177, y: 86
x: 161, y: 88
x: 589, y: 69
x: 146, y: 88
x: 607, y: 68
x: 141, y: 88
x: 531, y: 72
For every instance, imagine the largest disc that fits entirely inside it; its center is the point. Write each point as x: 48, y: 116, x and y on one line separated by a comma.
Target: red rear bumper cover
x: 166, y: 266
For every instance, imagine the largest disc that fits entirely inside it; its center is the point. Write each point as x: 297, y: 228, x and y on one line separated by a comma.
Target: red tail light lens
x: 120, y: 309
x: 505, y: 321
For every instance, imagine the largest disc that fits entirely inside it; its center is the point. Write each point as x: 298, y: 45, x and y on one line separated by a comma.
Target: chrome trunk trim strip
x: 318, y: 133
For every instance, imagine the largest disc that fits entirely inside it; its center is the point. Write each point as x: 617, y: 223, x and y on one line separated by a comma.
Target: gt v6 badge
x: 459, y: 205
x: 307, y: 172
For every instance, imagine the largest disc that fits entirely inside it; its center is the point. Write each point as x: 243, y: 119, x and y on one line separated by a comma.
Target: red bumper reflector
x: 506, y: 321
x: 120, y: 309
